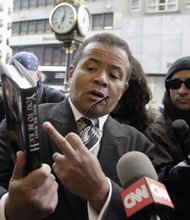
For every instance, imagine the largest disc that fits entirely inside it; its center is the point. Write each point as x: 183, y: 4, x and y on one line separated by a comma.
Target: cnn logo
x: 132, y: 198
x: 145, y: 193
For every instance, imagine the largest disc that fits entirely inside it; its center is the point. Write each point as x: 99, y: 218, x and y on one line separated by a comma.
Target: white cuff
x: 2, y: 206
x: 182, y: 164
x: 93, y: 215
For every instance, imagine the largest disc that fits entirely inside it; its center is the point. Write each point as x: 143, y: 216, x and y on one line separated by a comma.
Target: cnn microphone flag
x: 144, y: 193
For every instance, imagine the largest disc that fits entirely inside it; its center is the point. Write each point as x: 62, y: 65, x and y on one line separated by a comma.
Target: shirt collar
x: 78, y: 115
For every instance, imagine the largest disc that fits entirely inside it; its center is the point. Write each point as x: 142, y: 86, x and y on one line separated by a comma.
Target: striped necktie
x: 88, y: 131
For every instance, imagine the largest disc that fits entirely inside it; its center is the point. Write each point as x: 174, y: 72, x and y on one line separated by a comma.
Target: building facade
x: 5, y: 29
x: 158, y: 32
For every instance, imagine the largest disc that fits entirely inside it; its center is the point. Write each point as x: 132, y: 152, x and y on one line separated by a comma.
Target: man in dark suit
x: 83, y: 183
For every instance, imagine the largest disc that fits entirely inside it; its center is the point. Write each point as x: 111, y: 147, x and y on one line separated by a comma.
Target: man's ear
x: 125, y: 87
x: 71, y: 71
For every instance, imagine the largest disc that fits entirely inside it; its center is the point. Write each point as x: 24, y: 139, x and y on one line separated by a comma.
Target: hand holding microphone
x: 142, y: 194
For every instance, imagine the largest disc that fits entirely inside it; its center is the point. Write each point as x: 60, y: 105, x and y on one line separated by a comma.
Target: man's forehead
x: 103, y: 48
x: 93, y: 47
x: 100, y: 45
x: 181, y: 73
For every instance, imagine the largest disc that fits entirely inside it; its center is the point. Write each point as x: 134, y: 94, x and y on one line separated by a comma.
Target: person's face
x: 101, y: 71
x: 181, y: 97
x: 34, y: 75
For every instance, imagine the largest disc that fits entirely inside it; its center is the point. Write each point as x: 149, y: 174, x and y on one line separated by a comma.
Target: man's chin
x: 97, y: 112
x: 184, y: 107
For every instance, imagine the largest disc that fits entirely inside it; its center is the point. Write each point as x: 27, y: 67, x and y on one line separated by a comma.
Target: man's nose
x: 102, y: 78
x: 183, y: 89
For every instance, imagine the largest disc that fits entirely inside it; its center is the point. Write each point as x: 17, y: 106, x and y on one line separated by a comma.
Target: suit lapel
x: 114, y: 144
x: 63, y: 121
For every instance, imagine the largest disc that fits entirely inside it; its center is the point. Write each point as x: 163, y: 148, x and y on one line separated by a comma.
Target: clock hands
x: 63, y: 16
x: 62, y: 19
x: 83, y: 22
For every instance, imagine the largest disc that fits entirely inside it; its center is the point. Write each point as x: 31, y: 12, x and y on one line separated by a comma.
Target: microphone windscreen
x: 180, y: 129
x: 134, y: 165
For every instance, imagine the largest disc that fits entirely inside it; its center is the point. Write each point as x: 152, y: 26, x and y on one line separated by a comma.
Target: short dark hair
x: 106, y: 38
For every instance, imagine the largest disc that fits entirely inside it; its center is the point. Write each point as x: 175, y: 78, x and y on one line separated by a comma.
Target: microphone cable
x: 93, y: 105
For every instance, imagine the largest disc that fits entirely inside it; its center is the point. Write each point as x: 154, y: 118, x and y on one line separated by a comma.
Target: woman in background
x: 132, y: 107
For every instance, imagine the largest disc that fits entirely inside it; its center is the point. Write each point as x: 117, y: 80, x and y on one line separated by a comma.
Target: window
x: 1, y: 23
x: 32, y: 4
x: 47, y: 26
x: 23, y: 4
x: 31, y: 27
x: 16, y: 5
x: 47, y: 55
x: 1, y: 7
x: 41, y: 3
x: 49, y: 2
x: 102, y: 21
x: 15, y: 28
x: 38, y: 51
x: 108, y: 20
x: 55, y: 56
x: 162, y: 5
x: 135, y: 5
x: 63, y: 56
x: 23, y: 27
x: 40, y: 26
x: 187, y: 3
x: 96, y: 22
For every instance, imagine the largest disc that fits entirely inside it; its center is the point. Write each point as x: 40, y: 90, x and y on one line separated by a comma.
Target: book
x: 21, y: 111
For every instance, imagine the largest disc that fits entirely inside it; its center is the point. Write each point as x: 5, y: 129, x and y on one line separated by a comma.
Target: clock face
x: 84, y: 20
x: 63, y: 18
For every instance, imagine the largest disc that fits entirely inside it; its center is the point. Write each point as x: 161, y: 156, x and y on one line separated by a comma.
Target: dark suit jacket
x: 117, y: 140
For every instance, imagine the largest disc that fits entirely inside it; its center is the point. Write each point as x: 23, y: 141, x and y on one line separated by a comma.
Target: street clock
x: 70, y: 21
x: 66, y: 18
x: 84, y: 20
x: 63, y: 18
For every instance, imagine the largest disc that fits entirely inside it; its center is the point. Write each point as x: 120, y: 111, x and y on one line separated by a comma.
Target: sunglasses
x: 176, y: 83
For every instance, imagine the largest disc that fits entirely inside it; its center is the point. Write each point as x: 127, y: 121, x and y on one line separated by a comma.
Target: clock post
x: 69, y: 52
x: 70, y: 21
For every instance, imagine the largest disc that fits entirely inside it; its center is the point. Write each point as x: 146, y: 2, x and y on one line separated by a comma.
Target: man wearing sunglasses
x: 174, y: 170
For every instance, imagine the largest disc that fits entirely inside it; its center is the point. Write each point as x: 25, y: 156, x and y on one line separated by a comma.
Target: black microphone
x: 181, y: 131
x: 93, y: 105
x: 143, y: 195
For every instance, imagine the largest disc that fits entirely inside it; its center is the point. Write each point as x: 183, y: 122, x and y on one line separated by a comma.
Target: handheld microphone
x: 143, y: 194
x: 93, y: 105
x: 181, y: 132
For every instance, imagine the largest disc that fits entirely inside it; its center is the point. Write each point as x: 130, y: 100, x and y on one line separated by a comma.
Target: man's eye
x: 114, y: 75
x: 91, y: 69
